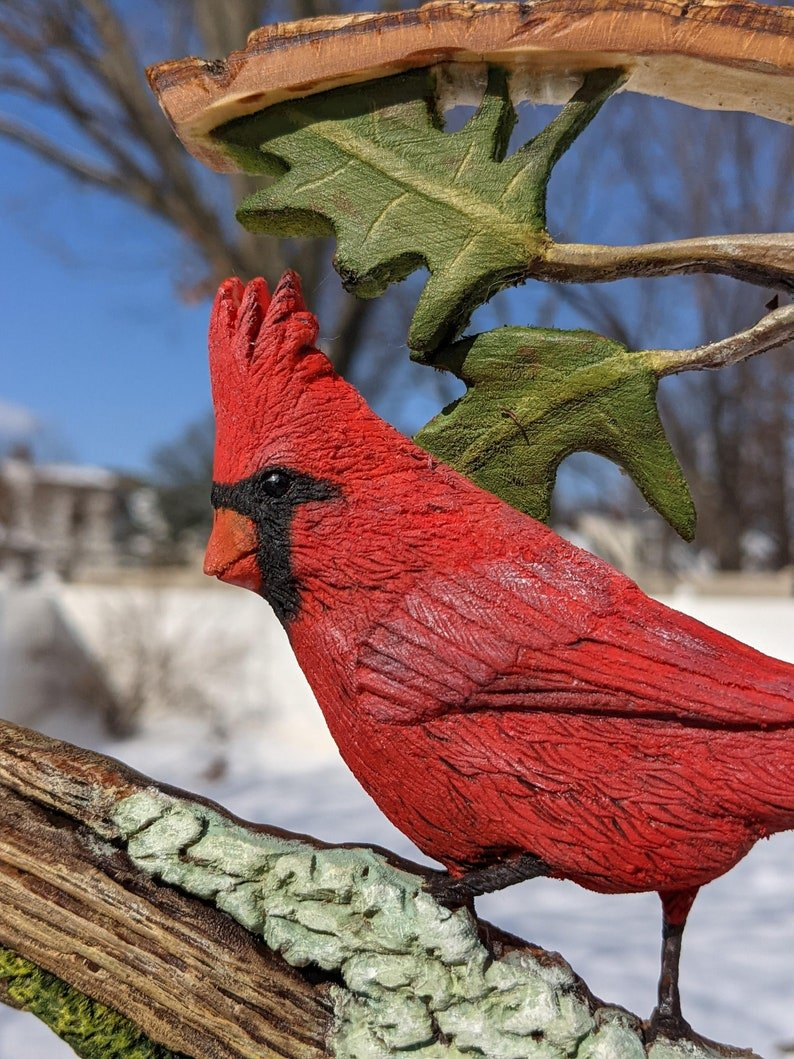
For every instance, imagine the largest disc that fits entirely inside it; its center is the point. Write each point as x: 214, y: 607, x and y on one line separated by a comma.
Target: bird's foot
x: 669, y: 1024
x: 667, y: 1020
x: 450, y: 891
x: 457, y: 891
x: 672, y: 1027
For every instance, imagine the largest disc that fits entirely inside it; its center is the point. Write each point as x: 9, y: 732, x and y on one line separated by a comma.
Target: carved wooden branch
x: 137, y: 894
x: 693, y: 53
x: 775, y: 329
x: 74, y: 904
x: 715, y: 56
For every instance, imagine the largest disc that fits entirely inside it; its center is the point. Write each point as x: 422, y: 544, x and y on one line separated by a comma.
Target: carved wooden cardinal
x: 512, y: 703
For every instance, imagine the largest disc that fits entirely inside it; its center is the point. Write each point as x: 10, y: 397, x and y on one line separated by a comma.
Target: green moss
x: 90, y: 1028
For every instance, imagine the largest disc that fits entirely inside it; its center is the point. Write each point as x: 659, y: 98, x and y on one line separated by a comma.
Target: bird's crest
x: 262, y: 357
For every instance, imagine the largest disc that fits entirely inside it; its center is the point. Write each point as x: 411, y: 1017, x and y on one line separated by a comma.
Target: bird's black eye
x: 276, y: 483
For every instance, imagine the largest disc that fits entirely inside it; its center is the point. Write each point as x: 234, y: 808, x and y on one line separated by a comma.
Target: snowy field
x: 277, y: 765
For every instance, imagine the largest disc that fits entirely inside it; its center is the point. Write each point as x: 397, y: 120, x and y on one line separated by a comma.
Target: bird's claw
x: 449, y: 891
x: 672, y: 1026
x: 496, y: 875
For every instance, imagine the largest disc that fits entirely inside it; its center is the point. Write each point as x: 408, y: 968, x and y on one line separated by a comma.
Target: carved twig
x: 766, y: 260
x: 775, y: 329
x: 129, y: 892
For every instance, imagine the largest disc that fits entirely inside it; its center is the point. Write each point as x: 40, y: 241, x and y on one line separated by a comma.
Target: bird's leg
x: 461, y: 890
x: 667, y: 1020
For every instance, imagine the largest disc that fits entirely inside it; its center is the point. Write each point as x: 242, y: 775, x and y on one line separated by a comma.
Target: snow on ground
x: 738, y: 963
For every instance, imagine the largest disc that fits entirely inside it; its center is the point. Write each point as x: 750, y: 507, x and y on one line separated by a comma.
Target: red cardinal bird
x: 512, y: 703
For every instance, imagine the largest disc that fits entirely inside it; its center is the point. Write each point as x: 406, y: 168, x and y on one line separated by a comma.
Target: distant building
x: 641, y: 546
x: 68, y: 520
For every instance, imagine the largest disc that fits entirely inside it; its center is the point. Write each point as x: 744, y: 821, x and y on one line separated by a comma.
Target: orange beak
x: 231, y: 550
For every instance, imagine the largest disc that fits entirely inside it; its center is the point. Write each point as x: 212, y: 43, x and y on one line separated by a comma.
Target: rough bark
x: 73, y: 903
x: 218, y: 938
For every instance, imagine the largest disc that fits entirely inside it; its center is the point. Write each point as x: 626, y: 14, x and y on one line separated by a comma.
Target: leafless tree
x: 182, y: 469
x: 155, y: 654
x: 75, y: 94
x: 668, y: 172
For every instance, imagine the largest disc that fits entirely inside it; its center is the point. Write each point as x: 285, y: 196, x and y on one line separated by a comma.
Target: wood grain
x: 715, y: 54
x: 189, y: 976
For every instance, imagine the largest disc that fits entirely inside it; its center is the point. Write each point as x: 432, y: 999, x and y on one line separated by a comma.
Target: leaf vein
x: 312, y: 184
x: 476, y: 211
x: 377, y: 222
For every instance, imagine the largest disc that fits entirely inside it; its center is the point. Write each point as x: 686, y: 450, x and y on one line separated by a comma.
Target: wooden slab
x: 713, y: 54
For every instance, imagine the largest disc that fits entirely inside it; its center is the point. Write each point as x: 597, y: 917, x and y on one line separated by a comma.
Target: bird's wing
x: 574, y: 637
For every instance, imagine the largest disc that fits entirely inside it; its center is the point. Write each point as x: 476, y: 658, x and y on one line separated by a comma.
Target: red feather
x: 497, y: 690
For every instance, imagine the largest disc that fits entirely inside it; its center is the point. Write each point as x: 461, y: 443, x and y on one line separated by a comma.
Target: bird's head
x: 296, y: 447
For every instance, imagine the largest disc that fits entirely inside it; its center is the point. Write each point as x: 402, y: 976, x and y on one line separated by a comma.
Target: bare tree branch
x: 63, y: 53
x: 73, y: 164
x: 349, y: 327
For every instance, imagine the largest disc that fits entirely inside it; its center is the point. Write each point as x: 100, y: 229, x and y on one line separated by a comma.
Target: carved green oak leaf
x: 536, y: 395
x: 373, y: 166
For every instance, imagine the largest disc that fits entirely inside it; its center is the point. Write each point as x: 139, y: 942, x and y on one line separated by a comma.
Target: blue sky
x: 96, y: 345
x: 100, y: 351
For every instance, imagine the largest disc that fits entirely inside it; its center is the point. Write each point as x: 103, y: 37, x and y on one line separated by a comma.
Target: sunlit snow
x: 278, y: 765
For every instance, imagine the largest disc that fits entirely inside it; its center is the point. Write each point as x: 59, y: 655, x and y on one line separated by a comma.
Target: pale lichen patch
x: 616, y: 1038
x: 418, y: 981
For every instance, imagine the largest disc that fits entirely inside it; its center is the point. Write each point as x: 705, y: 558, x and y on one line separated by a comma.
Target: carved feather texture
x: 496, y: 689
